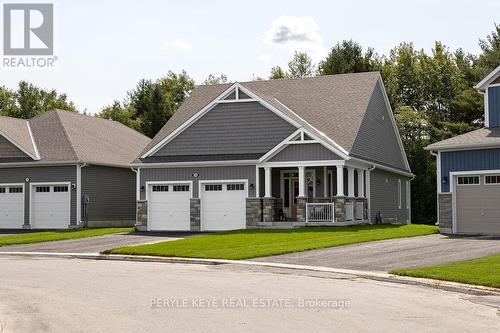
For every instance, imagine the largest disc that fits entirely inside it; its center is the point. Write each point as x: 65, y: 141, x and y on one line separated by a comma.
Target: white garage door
x: 169, y: 207
x: 223, y: 206
x: 478, y: 204
x: 11, y: 206
x: 50, y: 206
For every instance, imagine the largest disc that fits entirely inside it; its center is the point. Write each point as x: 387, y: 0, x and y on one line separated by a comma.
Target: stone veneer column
x: 301, y: 209
x: 194, y: 212
x: 142, y: 215
x: 268, y: 209
x: 340, y: 209
x: 444, y: 212
x: 254, y: 211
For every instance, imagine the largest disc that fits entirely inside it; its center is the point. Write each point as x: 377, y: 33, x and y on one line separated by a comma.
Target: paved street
x: 94, y: 244
x: 395, y: 253
x: 61, y: 295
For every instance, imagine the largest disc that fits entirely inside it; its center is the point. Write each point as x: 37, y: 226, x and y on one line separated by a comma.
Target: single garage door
x: 169, y: 207
x: 11, y: 206
x: 478, y: 204
x: 223, y: 206
x: 50, y: 206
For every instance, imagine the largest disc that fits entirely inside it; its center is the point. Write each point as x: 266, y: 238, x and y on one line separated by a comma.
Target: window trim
x: 469, y: 176
x: 400, y: 194
x: 491, y: 184
x: 149, y: 187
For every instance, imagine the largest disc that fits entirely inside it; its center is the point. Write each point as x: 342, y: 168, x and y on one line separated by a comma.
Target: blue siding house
x: 468, y: 171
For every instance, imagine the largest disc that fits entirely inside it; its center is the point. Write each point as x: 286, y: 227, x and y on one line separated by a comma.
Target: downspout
x: 83, y: 221
x: 438, y: 182
x: 137, y: 189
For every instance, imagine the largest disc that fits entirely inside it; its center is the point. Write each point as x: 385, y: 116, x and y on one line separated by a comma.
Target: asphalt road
x: 394, y: 253
x: 61, y: 295
x: 94, y: 244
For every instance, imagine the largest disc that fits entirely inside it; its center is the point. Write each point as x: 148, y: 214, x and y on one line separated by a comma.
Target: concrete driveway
x: 95, y: 244
x: 395, y: 253
x: 59, y: 295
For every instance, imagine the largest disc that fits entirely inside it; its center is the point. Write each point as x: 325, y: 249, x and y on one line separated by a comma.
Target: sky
x: 105, y: 47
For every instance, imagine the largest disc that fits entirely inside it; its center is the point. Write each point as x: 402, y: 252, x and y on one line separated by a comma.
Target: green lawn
x: 483, y: 271
x: 47, y: 236
x: 245, y: 244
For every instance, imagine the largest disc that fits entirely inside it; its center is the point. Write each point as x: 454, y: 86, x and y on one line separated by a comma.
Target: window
x: 399, y: 193
x: 213, y: 187
x: 160, y: 188
x: 2, y: 190
x: 492, y: 179
x: 60, y: 189
x: 235, y: 187
x: 181, y: 188
x: 42, y: 189
x: 15, y: 190
x: 468, y: 180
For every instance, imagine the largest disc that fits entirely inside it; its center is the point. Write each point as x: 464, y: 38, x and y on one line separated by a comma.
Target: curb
x: 378, y: 276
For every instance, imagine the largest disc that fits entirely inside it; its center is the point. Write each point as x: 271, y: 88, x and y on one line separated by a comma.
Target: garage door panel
x: 478, y: 208
x: 11, y: 207
x: 169, y: 207
x: 223, y: 206
x: 50, y: 206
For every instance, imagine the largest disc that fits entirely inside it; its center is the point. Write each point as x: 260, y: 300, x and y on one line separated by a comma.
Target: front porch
x: 312, y: 195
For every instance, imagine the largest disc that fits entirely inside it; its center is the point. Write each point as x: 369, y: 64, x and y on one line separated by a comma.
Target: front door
x: 295, y: 194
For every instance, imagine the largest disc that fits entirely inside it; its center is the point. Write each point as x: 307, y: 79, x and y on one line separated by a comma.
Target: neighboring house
x: 62, y: 168
x: 468, y: 171
x: 281, y: 152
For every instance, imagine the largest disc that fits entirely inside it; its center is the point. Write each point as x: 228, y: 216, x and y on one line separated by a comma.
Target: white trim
x: 393, y: 121
x: 386, y: 168
x: 400, y: 194
x: 486, y: 109
x: 194, y: 164
x: 438, y: 171
x: 494, y: 85
x: 302, y: 182
x: 62, y: 163
x: 24, y: 197
x: 78, y: 194
x: 292, y: 164
x: 267, y: 182
x: 490, y: 175
x: 18, y: 146
x: 340, y: 181
x: 368, y: 193
x: 467, y: 176
x: 335, y: 145
x: 237, y: 101
x: 350, y: 182
x: 225, y: 181
x: 488, y: 79
x: 31, y: 185
x: 257, y: 181
x: 37, y: 153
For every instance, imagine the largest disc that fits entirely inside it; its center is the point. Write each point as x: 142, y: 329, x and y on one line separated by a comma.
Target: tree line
x: 431, y: 94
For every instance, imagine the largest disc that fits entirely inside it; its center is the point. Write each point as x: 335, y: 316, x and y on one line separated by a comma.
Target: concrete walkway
x: 394, y: 253
x: 95, y: 244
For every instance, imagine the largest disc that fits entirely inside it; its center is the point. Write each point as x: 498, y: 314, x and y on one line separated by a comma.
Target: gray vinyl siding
x: 40, y: 175
x: 384, y: 197
x: 305, y: 152
x: 494, y: 106
x: 111, y: 192
x: 8, y: 150
x: 376, y: 139
x: 205, y: 173
x: 467, y: 160
x: 230, y: 128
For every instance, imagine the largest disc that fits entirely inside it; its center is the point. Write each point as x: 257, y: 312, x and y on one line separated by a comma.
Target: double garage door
x: 223, y: 206
x: 477, y: 200
x: 49, y: 206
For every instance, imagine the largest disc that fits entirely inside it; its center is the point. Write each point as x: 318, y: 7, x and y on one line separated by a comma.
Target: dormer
x: 490, y: 87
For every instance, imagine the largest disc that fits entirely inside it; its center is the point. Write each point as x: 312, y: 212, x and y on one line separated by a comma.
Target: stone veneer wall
x: 254, y: 211
x: 142, y: 215
x: 444, y: 213
x: 268, y: 209
x: 340, y: 209
x: 195, y: 216
x: 301, y: 209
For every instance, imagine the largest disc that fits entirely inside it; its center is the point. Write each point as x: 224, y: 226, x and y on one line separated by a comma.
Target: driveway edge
x: 378, y: 276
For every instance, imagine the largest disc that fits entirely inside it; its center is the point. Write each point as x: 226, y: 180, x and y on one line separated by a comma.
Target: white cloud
x: 180, y: 44
x: 296, y: 33
x: 264, y: 57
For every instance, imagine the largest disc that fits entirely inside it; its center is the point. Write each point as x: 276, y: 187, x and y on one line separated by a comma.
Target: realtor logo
x: 28, y: 29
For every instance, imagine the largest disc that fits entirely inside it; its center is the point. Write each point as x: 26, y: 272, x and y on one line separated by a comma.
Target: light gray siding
x: 231, y: 128
x: 384, y: 197
x: 40, y: 175
x: 10, y: 153
x: 111, y: 192
x: 205, y: 173
x: 377, y: 140
x: 305, y: 152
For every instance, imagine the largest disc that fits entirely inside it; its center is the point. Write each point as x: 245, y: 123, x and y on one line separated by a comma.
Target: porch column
x: 267, y: 179
x: 361, y: 183
x: 340, y: 180
x: 325, y: 182
x: 350, y: 181
x: 257, y: 182
x: 302, y: 181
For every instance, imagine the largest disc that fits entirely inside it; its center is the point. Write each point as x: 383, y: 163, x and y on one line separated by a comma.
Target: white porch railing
x: 359, y: 212
x: 320, y: 212
x: 349, y: 211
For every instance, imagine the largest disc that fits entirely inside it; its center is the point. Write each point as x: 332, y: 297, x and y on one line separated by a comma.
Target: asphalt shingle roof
x: 18, y: 131
x: 479, y: 137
